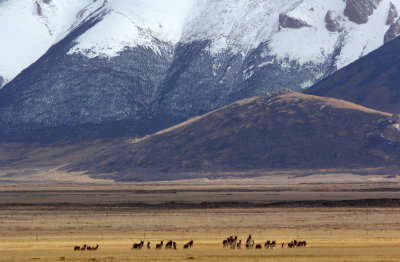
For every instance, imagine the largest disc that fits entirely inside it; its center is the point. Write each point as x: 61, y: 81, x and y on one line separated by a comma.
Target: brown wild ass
x: 188, y: 245
x: 159, y: 246
x: 89, y: 248
x: 138, y: 245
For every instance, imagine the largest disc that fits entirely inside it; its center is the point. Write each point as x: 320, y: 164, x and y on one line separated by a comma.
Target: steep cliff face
x: 134, y: 67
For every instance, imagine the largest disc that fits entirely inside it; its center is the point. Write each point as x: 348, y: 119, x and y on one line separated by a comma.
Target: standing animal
x: 267, y: 244
x: 168, y: 245
x: 239, y: 245
x: 301, y: 243
x: 234, y: 243
x: 249, y: 242
x: 148, y: 245
x: 81, y: 248
x: 283, y: 245
x: 92, y: 248
x: 225, y: 243
x: 159, y: 246
x: 188, y: 245
x: 138, y: 245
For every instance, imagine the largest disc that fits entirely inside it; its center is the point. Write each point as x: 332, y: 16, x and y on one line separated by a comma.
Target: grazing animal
x: 138, y: 246
x: 92, y: 248
x: 148, y: 245
x: 188, y: 245
x: 159, y: 246
x: 76, y: 248
x: 258, y: 246
x: 239, y: 245
x: 84, y: 247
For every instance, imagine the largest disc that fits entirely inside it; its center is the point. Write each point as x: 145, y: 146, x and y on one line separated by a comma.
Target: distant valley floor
x: 264, y: 191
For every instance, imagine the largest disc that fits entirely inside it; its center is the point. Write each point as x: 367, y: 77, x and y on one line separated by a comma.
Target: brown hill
x: 372, y: 81
x: 269, y: 132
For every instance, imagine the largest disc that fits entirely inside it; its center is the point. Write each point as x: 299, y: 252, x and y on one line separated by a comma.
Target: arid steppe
x: 341, y: 222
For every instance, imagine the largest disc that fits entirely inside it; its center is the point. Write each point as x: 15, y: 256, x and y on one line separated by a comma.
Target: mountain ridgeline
x: 372, y: 81
x: 275, y: 131
x: 130, y: 68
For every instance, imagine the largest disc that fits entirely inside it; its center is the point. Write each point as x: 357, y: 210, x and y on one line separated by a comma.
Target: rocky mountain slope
x: 372, y: 81
x: 133, y: 67
x: 269, y: 132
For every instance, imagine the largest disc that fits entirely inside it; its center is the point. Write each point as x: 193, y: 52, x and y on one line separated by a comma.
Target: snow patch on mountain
x: 29, y: 28
x: 314, y: 44
x: 238, y: 26
x: 233, y: 26
x: 364, y: 38
x: 307, y: 44
x: 134, y: 23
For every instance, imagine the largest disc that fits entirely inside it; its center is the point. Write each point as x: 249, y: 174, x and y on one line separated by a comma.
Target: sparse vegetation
x: 47, y: 222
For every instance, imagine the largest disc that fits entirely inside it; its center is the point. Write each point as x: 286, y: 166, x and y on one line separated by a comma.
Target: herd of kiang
x: 169, y: 245
x: 86, y: 247
x: 235, y: 243
x: 232, y: 242
x: 137, y: 246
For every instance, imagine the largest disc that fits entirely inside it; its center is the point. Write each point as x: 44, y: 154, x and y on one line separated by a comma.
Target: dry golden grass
x: 45, y: 223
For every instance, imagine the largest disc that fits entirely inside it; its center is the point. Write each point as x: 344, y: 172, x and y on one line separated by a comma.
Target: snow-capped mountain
x: 140, y: 65
x: 29, y: 28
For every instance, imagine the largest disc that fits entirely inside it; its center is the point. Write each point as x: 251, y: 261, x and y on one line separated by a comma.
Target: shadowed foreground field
x: 44, y: 224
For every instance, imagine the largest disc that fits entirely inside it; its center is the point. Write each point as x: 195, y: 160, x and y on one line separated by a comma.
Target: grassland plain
x: 341, y: 222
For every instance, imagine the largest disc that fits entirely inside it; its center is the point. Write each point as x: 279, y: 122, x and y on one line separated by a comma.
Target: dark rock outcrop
x: 287, y: 21
x: 333, y: 21
x: 358, y: 11
x: 39, y: 9
x: 393, y: 14
x: 392, y: 32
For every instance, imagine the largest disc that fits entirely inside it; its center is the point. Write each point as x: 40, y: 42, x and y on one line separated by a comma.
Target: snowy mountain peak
x: 317, y: 27
x: 127, y: 24
x: 32, y: 27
